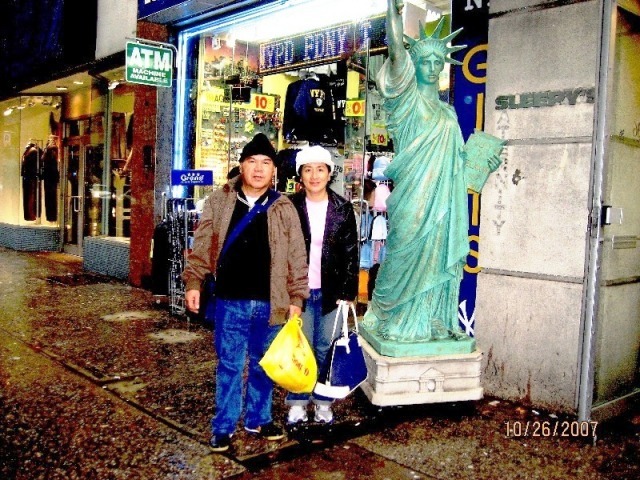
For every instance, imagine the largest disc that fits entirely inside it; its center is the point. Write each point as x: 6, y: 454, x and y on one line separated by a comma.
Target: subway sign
x: 149, y: 64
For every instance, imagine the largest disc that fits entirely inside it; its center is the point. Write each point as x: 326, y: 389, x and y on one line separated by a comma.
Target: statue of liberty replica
x: 414, y: 305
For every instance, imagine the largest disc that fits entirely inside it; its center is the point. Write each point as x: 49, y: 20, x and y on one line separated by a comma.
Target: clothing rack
x: 182, y: 220
x: 363, y: 221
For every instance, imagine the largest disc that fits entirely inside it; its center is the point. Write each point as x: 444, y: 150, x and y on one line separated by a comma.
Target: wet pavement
x: 98, y: 380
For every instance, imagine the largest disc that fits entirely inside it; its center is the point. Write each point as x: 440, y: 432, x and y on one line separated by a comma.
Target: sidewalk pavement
x: 98, y: 380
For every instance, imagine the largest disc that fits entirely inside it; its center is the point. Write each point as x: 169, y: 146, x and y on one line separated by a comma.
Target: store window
x: 30, y: 159
x: 97, y: 138
x: 60, y: 168
x: 301, y: 75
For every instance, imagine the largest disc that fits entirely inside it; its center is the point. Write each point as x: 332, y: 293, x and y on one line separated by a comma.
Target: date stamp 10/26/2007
x: 551, y: 428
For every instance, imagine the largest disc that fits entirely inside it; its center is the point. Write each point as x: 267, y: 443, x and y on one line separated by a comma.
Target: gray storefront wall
x: 557, y: 300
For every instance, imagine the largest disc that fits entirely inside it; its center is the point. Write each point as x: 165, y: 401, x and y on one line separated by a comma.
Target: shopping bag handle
x: 342, y: 312
x: 296, y: 318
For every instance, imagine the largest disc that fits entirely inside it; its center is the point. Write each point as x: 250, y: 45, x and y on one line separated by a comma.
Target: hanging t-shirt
x: 381, y: 194
x: 308, y: 113
x: 379, y: 228
x: 337, y: 84
x: 375, y: 113
x: 317, y: 212
x: 286, y: 158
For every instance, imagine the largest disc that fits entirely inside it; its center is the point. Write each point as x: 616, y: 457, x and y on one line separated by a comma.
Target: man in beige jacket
x: 261, y: 278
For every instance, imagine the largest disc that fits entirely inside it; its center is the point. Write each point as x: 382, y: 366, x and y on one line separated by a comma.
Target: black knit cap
x: 259, y: 145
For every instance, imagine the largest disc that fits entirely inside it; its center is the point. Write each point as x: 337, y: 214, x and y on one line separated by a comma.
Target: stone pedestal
x: 421, y: 379
x: 445, y: 346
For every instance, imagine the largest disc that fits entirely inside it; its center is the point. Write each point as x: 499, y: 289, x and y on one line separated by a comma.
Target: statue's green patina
x: 414, y: 306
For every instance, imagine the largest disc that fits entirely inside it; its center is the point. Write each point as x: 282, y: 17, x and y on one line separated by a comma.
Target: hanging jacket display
x: 308, y: 113
x: 30, y: 178
x: 50, y: 176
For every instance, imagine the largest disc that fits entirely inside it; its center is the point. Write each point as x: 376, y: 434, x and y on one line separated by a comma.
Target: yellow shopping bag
x: 289, y: 361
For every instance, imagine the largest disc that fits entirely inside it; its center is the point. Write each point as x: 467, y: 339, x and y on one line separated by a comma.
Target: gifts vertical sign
x: 469, y: 81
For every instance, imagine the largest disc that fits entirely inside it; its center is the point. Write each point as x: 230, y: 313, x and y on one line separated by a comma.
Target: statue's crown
x: 434, y: 44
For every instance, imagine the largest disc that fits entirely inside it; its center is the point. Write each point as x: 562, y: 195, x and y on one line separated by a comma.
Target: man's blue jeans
x: 241, y: 329
x: 318, y: 329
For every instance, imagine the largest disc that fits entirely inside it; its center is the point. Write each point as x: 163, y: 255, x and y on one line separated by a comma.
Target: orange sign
x: 379, y: 135
x: 265, y: 103
x: 354, y: 108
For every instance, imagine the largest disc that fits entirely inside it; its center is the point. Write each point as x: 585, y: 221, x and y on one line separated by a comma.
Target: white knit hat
x: 315, y: 154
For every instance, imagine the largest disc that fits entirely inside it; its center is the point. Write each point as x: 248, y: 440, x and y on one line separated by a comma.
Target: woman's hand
x: 399, y: 6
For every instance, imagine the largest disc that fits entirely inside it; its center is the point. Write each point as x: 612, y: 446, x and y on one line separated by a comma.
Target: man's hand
x: 294, y: 310
x: 192, y: 299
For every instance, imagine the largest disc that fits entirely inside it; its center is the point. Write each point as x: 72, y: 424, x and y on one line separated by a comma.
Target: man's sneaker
x: 270, y: 431
x: 297, y: 413
x: 323, y: 414
x: 220, y: 443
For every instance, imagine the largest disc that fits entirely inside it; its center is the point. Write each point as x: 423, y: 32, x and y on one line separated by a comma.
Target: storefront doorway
x: 616, y: 367
x: 84, y: 196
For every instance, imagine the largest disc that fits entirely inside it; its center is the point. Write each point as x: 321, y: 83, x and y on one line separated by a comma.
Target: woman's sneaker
x: 220, y: 443
x: 270, y: 431
x: 297, y: 413
x: 323, y: 414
